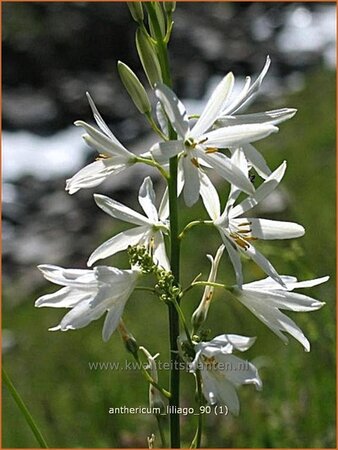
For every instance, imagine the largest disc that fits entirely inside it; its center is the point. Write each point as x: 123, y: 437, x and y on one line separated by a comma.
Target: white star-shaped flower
x: 198, y: 145
x: 113, y: 156
x: 149, y: 231
x: 223, y: 372
x: 265, y: 298
x: 239, y: 232
x: 89, y: 294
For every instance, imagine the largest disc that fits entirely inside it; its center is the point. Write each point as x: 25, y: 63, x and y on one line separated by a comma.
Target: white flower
x: 149, y: 230
x: 200, y: 314
x: 89, y: 294
x: 222, y: 372
x: 238, y: 232
x: 265, y: 298
x: 113, y: 156
x: 197, y: 146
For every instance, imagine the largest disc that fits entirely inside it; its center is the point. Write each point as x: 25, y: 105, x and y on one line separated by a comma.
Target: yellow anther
x: 195, y: 162
x: 211, y: 150
x: 101, y: 156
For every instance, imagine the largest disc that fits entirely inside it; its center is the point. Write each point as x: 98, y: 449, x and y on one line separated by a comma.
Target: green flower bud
x: 134, y: 88
x: 159, y: 18
x: 169, y: 7
x: 148, y: 57
x: 136, y: 10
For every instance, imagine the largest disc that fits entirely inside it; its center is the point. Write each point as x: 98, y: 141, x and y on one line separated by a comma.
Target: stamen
x: 211, y: 150
x: 101, y: 156
x: 195, y: 162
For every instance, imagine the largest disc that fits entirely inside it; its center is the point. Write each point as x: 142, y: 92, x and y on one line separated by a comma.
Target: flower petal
x: 163, y: 210
x: 120, y: 211
x: 214, y: 106
x: 226, y: 169
x: 270, y: 229
x: 232, y: 342
x: 191, y: 190
x: 238, y: 371
x: 163, y: 151
x: 118, y: 243
x: 261, y: 192
x: 174, y: 109
x: 80, y: 316
x: 273, y: 117
x: 234, y: 258
x: 209, y: 196
x: 160, y: 255
x: 263, y: 263
x: 239, y: 160
x: 112, y: 319
x: 77, y: 278
x: 238, y: 134
x: 94, y: 174
x: 147, y: 198
x: 103, y: 143
x: 64, y: 298
x: 162, y: 118
x: 257, y: 160
x: 307, y: 283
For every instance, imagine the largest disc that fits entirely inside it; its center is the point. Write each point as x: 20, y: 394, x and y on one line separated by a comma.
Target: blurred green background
x: 296, y: 408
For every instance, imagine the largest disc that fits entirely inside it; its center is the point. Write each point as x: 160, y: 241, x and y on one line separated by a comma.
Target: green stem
x: 193, y: 224
x: 150, y: 379
x: 174, y: 328
x: 152, y: 163
x: 160, y: 422
x: 196, y: 443
x: 23, y: 408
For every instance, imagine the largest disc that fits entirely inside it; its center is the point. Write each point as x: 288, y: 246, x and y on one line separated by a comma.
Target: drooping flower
x: 222, y: 372
x: 200, y: 314
x: 89, y: 294
x: 265, y: 298
x: 239, y: 232
x: 149, y: 231
x: 198, y: 145
x: 113, y: 156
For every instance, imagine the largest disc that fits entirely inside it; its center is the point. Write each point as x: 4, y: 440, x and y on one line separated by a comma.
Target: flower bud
x: 200, y: 314
x: 148, y: 57
x: 128, y: 339
x: 160, y: 20
x: 136, y: 10
x: 155, y: 398
x: 134, y: 88
x: 169, y: 7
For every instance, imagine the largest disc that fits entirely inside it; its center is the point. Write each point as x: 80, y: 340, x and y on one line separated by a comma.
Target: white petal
x: 307, y: 283
x: 239, y: 372
x: 257, y: 160
x: 226, y: 169
x: 160, y: 254
x: 270, y: 229
x: 81, y: 315
x: 239, y: 160
x: 120, y: 211
x: 163, y: 210
x: 238, y: 99
x: 237, y: 342
x: 239, y: 134
x: 101, y: 123
x: 252, y: 92
x: 77, y: 278
x: 119, y: 279
x: 209, y: 196
x: 214, y: 106
x: 191, y: 190
x: 234, y: 258
x: 162, y: 118
x: 174, y: 109
x: 112, y: 147
x: 273, y: 117
x: 227, y: 395
x: 147, y: 199
x: 268, y: 283
x: 94, y: 174
x: 163, y: 151
x: 64, y: 298
x: 112, y: 319
x: 263, y: 263
x: 261, y: 192
x: 118, y: 243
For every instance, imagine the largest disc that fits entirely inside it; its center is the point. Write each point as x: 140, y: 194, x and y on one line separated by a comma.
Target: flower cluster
x: 219, y: 140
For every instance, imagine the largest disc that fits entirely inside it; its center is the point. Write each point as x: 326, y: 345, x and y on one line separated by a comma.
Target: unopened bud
x: 160, y: 20
x: 136, y: 11
x: 169, y: 7
x: 128, y: 339
x: 155, y: 397
x: 134, y: 87
x: 148, y: 57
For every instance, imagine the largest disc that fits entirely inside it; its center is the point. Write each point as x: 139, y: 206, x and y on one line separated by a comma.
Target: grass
x: 296, y: 408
